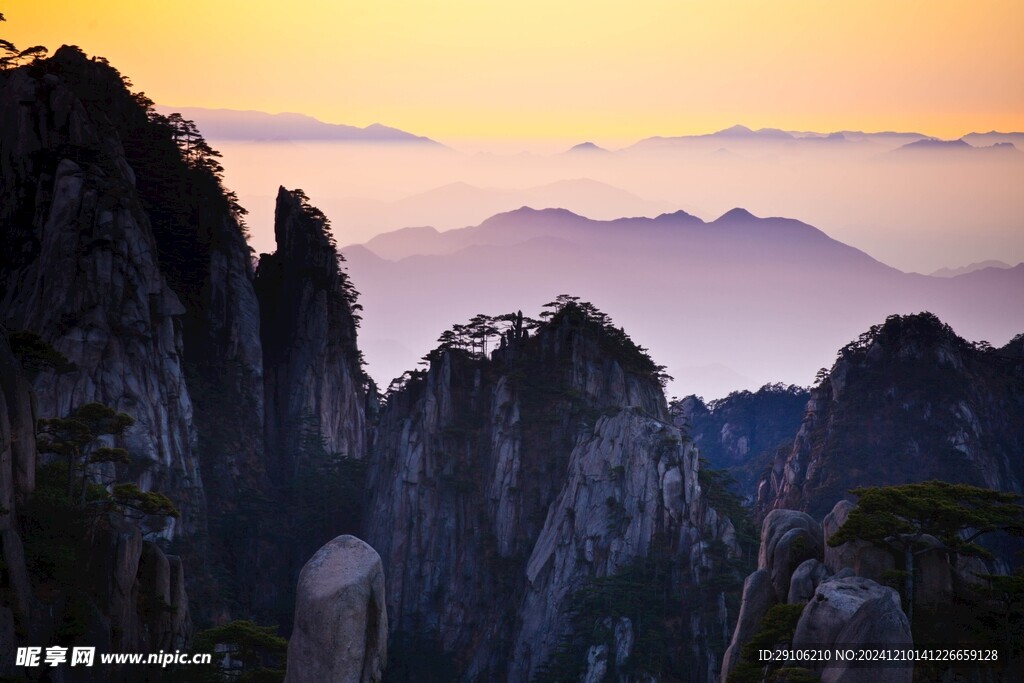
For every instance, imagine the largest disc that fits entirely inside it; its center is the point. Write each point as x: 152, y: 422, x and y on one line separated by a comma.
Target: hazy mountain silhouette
x: 994, y: 137
x: 737, y: 133
x: 741, y: 137
x: 233, y: 124
x: 960, y: 146
x: 586, y: 148
x: 768, y: 298
x: 459, y: 204
x: 963, y: 270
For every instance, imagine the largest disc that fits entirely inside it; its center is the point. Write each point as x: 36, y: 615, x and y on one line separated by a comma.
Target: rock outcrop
x: 758, y: 596
x: 788, y: 538
x: 863, y: 558
x: 314, y: 379
x: 851, y: 613
x: 806, y: 578
x: 834, y: 605
x: 909, y: 401
x: 341, y: 625
x: 503, y: 485
x: 121, y: 248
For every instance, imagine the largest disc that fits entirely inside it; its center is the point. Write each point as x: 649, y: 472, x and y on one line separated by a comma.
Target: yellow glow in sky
x: 564, y: 69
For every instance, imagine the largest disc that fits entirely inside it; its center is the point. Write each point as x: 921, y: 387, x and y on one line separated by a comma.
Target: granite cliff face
x: 909, y: 401
x: 501, y: 486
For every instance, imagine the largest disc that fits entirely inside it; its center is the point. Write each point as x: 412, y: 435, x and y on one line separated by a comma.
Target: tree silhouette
x: 11, y: 56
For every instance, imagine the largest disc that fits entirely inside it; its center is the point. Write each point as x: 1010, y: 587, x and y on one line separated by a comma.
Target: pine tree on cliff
x: 898, y: 518
x: 78, y: 439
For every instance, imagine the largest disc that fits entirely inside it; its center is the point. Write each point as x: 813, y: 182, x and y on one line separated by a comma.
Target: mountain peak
x: 586, y: 147
x: 738, y: 129
x: 908, y: 336
x: 528, y: 212
x: 679, y: 216
x: 936, y: 143
x: 737, y: 214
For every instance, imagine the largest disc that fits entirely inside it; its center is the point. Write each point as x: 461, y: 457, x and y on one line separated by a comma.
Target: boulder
x: 788, y: 537
x: 863, y: 558
x: 758, y: 596
x: 795, y: 547
x: 805, y: 581
x: 833, y: 607
x: 877, y: 621
x: 341, y: 629
x: 776, y: 524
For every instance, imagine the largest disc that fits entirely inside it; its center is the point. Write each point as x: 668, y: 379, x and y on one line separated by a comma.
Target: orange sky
x: 564, y: 69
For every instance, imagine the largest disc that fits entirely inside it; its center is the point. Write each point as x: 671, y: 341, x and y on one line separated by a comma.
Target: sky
x: 612, y: 72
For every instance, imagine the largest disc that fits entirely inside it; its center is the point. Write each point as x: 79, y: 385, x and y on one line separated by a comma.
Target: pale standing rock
x: 341, y: 626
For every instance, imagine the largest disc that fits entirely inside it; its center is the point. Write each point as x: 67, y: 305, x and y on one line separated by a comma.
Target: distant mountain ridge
x: 458, y: 204
x: 957, y: 146
x: 249, y: 125
x: 742, y: 134
x: 963, y: 270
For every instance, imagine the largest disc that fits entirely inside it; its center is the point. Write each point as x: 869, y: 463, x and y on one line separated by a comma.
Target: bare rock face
x: 600, y: 521
x: 17, y: 470
x: 758, y: 596
x: 341, y: 625
x: 788, y: 537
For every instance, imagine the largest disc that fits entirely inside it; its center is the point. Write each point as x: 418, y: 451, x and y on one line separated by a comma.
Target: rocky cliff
x: 81, y: 269
x: 109, y: 588
x: 502, y: 487
x: 909, y: 401
x: 316, y: 393
x: 314, y: 378
x: 121, y: 248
